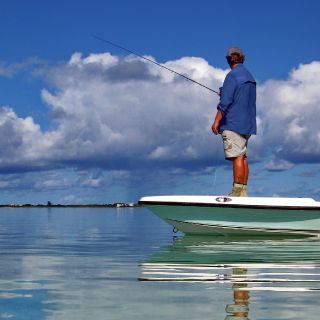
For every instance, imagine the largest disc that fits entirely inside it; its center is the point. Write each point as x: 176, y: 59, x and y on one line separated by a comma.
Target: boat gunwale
x: 227, y: 205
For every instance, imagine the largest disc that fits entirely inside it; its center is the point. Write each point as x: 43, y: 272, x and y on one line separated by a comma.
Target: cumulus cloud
x: 289, y: 113
x: 119, y: 113
x: 122, y: 112
x: 22, y: 144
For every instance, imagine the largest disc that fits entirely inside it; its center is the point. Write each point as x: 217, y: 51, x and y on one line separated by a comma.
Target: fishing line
x: 156, y: 63
x: 215, y: 177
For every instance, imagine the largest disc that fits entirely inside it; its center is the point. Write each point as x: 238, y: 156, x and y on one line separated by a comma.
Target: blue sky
x: 82, y: 121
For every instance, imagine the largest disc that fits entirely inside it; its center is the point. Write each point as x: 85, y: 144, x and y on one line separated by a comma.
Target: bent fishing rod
x: 154, y: 62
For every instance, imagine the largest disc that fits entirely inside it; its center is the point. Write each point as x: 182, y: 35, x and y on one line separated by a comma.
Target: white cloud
x: 91, y: 179
x: 9, y: 70
x: 278, y: 165
x: 22, y: 143
x: 289, y: 112
x: 121, y: 113
x: 103, y: 60
x: 148, y: 115
x: 71, y: 198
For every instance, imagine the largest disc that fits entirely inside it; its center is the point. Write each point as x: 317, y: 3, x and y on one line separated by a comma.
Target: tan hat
x: 236, y: 50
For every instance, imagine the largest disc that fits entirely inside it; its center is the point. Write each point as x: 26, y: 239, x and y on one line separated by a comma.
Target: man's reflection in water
x: 239, y: 309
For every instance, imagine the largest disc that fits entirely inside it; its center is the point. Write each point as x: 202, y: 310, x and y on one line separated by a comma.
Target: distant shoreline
x: 49, y: 205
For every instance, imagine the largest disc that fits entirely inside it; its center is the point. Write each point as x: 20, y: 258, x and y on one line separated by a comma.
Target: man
x: 236, y: 118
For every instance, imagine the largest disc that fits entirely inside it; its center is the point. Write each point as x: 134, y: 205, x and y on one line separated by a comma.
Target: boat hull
x: 205, y: 218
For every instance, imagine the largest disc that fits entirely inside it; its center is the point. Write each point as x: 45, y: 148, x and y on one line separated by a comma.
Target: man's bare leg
x: 246, y: 176
x: 240, y: 176
x: 246, y: 169
x: 239, y: 170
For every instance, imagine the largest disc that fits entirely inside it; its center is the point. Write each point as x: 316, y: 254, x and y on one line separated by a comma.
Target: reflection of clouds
x: 78, y: 264
x: 9, y: 295
x: 93, y: 234
x: 79, y: 285
x: 6, y: 315
x: 41, y: 267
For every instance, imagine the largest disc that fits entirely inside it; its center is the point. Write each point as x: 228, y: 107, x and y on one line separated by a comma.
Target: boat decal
x: 223, y: 199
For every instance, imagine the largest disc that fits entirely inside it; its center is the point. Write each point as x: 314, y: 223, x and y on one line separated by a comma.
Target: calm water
x: 126, y: 264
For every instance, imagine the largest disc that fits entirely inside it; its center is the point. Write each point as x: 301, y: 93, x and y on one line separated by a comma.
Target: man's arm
x: 216, y: 123
x: 227, y: 93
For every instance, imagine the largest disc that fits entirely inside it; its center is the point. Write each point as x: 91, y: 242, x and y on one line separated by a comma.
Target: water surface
x: 71, y: 263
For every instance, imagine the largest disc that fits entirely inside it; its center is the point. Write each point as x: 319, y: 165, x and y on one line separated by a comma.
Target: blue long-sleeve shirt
x: 238, y: 102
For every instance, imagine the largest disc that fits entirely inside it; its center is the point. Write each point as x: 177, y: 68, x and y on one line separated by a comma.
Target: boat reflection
x: 252, y: 264
x: 238, y: 250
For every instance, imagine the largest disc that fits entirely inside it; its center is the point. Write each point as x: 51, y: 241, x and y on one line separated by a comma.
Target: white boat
x: 223, y: 215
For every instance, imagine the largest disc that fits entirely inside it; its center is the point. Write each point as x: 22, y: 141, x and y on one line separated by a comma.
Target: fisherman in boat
x: 236, y: 118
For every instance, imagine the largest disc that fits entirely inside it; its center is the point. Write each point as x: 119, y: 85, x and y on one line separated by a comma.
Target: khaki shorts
x: 235, y: 144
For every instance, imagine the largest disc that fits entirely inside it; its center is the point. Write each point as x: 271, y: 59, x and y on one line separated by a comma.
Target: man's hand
x: 215, y: 127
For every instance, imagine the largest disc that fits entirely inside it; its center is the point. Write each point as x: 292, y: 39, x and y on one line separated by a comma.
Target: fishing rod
x: 154, y: 62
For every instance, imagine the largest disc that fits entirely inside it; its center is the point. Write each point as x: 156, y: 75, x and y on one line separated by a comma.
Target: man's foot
x: 236, y: 191
x: 244, y: 191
